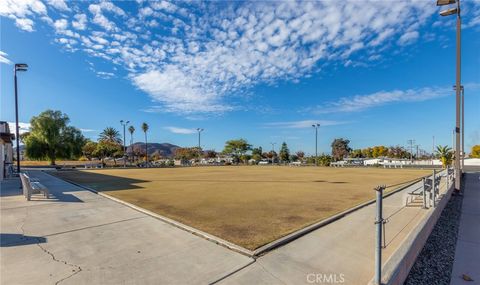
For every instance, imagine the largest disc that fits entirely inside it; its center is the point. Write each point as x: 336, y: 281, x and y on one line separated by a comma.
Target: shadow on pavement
x: 10, y: 240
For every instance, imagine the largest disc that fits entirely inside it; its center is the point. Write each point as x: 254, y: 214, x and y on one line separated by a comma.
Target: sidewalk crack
x: 77, y: 269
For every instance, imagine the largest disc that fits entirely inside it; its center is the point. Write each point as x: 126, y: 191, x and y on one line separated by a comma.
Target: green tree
x: 106, y: 149
x: 301, y: 155
x: 110, y: 134
x: 50, y: 138
x: 324, y: 160
x: 475, y: 153
x: 145, y: 128
x: 340, y: 148
x: 284, y: 153
x: 89, y: 149
x: 236, y: 148
x: 446, y: 155
x: 356, y: 153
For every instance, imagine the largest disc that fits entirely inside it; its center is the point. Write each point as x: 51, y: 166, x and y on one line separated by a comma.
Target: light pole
x: 199, y: 130
x: 273, y: 150
x: 316, y: 126
x: 448, y: 12
x: 18, y: 67
x: 124, y: 124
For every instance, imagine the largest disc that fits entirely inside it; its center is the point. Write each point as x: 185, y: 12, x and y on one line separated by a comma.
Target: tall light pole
x: 273, y: 150
x: 316, y: 126
x: 124, y: 124
x: 18, y: 67
x: 448, y: 12
x: 199, y: 130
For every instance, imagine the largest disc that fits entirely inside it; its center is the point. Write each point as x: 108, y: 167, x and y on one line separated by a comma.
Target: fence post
x: 434, y: 189
x: 424, y: 193
x: 378, y: 241
x: 448, y: 179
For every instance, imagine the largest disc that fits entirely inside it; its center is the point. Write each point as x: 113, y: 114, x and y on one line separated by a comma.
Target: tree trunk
x: 146, y: 150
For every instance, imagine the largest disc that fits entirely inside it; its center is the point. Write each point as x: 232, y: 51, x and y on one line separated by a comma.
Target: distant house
x: 6, y: 150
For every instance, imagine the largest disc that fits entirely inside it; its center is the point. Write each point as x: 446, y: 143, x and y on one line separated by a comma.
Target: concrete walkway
x: 467, y: 252
x: 82, y: 238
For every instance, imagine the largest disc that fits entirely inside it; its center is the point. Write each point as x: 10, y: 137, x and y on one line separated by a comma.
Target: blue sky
x: 375, y: 72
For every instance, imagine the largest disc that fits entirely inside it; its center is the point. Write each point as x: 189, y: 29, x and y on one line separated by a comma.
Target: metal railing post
x: 378, y: 241
x: 424, y: 193
x: 448, y: 179
x: 434, y: 189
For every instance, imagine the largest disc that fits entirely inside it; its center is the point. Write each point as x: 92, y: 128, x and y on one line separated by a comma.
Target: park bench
x: 414, y: 194
x: 32, y: 186
x: 430, y: 188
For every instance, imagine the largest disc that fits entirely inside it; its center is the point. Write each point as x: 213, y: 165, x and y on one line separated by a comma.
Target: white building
x: 6, y: 149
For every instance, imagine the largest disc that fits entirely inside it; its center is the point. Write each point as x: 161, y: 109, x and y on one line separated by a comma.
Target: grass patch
x: 247, y: 205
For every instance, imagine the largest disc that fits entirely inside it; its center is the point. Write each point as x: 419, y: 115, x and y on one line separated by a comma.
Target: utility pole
x: 411, y: 142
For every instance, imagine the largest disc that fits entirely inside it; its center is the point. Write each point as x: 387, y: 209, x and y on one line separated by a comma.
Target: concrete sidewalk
x: 467, y: 252
x: 80, y: 237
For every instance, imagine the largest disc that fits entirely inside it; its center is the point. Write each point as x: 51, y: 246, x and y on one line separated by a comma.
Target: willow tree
x: 51, y: 138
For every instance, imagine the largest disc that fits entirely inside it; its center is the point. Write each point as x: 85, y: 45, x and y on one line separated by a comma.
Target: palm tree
x: 131, y: 130
x: 145, y: 129
x: 446, y: 155
x: 110, y: 134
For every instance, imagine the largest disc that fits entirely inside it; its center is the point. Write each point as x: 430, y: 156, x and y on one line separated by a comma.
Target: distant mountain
x: 165, y: 149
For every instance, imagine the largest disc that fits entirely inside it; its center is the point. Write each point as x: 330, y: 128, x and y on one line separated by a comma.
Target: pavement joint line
x: 66, y: 232
x: 95, y: 226
x: 233, y: 272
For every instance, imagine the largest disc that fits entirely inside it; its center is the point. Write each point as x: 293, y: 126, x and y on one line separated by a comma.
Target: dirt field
x: 247, y: 205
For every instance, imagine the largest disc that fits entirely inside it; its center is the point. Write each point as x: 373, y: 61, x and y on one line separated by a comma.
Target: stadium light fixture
x: 449, y: 12
x: 445, y: 2
x: 18, y: 67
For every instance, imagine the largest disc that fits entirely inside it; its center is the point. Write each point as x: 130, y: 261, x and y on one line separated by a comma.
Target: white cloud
x: 302, y: 124
x: 408, y: 38
x: 88, y: 130
x: 192, y: 57
x: 60, y: 25
x: 4, y: 59
x: 20, y: 11
x: 182, y: 131
x: 364, y: 102
x: 24, y: 24
x: 58, y: 4
x: 80, y: 22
